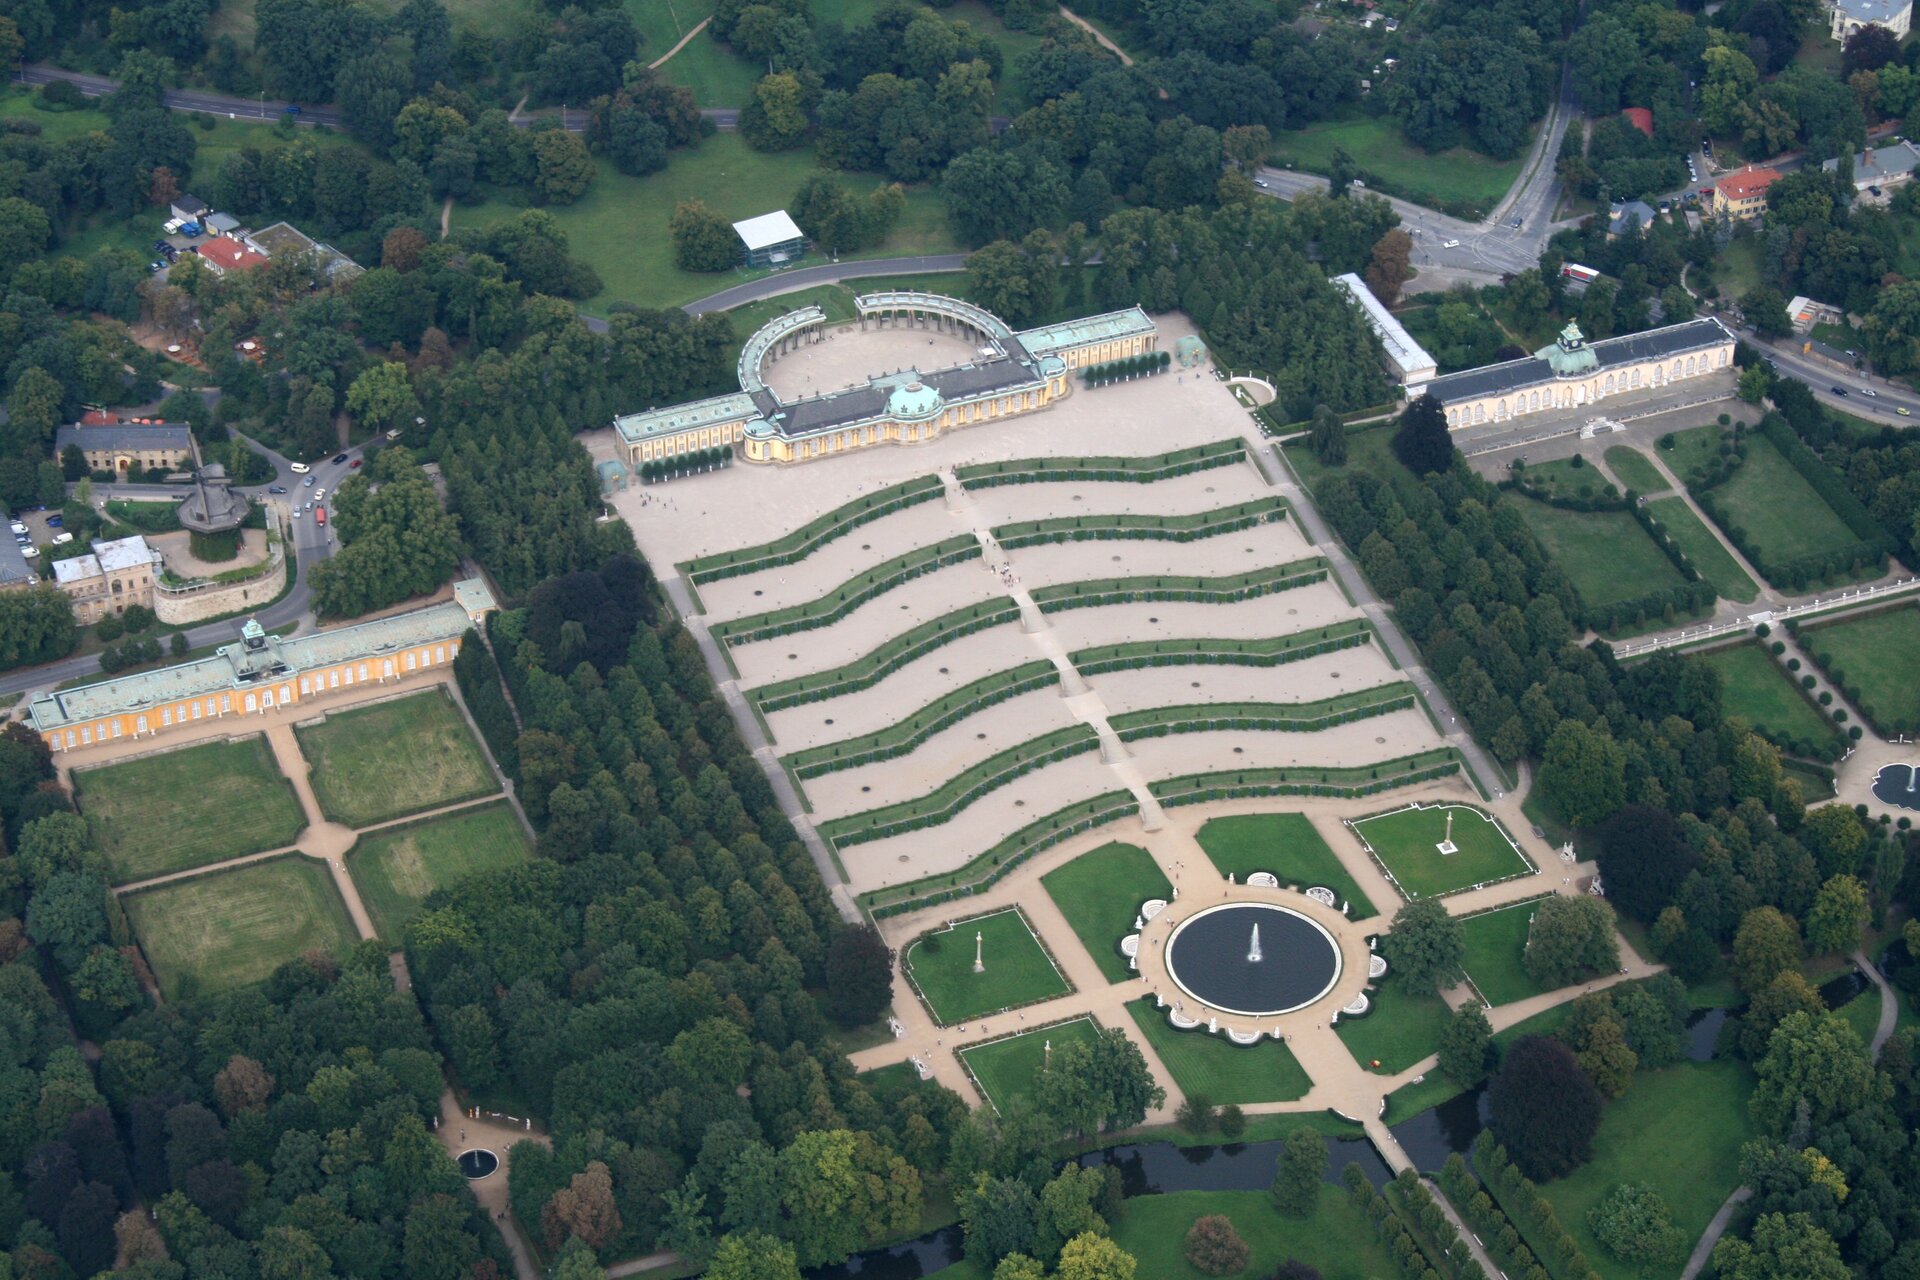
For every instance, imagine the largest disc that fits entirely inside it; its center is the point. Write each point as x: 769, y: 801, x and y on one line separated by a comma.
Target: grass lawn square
x: 1285, y: 844
x: 1607, y: 554
x: 1678, y: 1131
x: 1006, y: 1068
x: 1780, y: 511
x: 385, y: 761
x: 1407, y: 843
x: 396, y: 868
x: 1568, y: 478
x: 1218, y: 1069
x: 1100, y: 893
x: 1694, y: 449
x: 1337, y: 1240
x: 1496, y: 944
x: 1403, y: 1028
x: 187, y: 808
x: 1755, y: 687
x: 1880, y: 655
x: 232, y: 928
x: 1018, y: 971
x: 1704, y: 548
x: 1378, y: 146
x: 1635, y: 470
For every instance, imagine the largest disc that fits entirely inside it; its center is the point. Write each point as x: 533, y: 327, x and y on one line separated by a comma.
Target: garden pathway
x: 698, y: 28
x: 1095, y: 32
x: 1768, y: 597
x: 1711, y: 1236
x: 1889, y: 1003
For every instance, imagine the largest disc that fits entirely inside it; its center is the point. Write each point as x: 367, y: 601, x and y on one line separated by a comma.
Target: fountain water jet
x: 1253, y: 956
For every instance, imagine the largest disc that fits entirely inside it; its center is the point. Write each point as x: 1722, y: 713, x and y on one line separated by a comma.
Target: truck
x: 320, y: 516
x: 190, y: 229
x: 1574, y: 271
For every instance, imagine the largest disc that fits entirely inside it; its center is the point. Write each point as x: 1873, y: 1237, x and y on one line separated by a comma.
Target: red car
x: 354, y: 465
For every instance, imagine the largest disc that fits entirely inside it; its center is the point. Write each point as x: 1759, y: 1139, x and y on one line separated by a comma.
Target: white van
x: 18, y: 528
x: 29, y: 551
x: 300, y: 468
x: 62, y: 538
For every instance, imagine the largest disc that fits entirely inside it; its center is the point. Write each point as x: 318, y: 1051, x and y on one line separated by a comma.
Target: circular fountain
x: 1252, y: 958
x: 1898, y: 785
x: 478, y: 1163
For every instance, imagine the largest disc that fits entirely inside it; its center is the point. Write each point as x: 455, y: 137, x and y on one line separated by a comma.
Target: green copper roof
x: 914, y: 400
x: 1569, y: 355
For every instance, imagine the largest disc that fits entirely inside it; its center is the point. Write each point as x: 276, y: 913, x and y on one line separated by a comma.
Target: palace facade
x: 1571, y: 371
x: 1013, y: 373
x: 259, y: 673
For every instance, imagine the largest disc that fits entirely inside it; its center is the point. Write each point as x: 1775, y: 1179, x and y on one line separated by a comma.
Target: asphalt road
x: 311, y: 543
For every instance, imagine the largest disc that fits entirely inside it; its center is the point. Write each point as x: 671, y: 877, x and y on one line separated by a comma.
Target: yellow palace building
x: 259, y: 673
x: 1013, y: 373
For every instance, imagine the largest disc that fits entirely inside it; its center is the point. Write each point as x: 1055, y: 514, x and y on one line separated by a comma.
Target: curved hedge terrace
x: 871, y: 668
x: 813, y: 535
x: 1193, y: 590
x: 902, y: 736
x: 1270, y: 717
x: 849, y: 595
x: 1307, y: 780
x: 1267, y: 651
x: 1143, y: 470
x: 1188, y: 528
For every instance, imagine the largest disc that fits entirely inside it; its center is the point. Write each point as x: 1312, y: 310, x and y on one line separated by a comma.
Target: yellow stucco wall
x: 1592, y: 389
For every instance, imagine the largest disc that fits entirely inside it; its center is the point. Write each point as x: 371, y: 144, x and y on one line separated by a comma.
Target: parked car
x: 29, y: 551
x: 160, y: 246
x: 354, y: 465
x: 276, y: 488
x: 62, y: 539
x: 309, y: 483
x: 1451, y: 244
x: 156, y: 266
x: 319, y: 495
x: 339, y: 458
x: 1839, y: 391
x: 395, y: 433
x: 55, y: 522
x: 300, y: 468
x: 1874, y: 192
x: 1903, y: 411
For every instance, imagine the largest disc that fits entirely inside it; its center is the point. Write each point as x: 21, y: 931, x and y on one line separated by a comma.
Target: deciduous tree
x: 1298, y: 1173
x: 1544, y: 1109
x: 1425, y: 945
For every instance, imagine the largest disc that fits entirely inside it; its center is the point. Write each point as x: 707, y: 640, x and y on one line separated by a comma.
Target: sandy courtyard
x: 746, y: 505
x: 846, y: 357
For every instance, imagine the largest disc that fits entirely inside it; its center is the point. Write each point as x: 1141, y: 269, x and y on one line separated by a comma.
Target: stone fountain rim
x: 1326, y: 935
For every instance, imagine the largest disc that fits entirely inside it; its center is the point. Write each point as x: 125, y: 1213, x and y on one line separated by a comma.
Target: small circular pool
x: 1896, y: 785
x: 478, y: 1163
x: 1253, y: 958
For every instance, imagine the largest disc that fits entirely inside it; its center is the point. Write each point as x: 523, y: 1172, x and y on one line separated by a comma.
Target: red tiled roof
x: 1743, y: 184
x: 230, y: 255
x: 1640, y: 118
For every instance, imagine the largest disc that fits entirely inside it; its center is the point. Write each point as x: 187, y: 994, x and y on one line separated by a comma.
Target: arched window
x: 140, y: 725
x: 386, y: 669
x: 253, y: 703
x: 1480, y: 413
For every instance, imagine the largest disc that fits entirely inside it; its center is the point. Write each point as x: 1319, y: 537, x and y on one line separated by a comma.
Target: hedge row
x: 902, y: 736
x: 1222, y: 590
x: 1265, y: 652
x: 1265, y: 717
x: 1140, y: 366
x: 1410, y: 1259
x: 810, y: 537
x: 1188, y: 528
x: 1417, y: 1203
x: 1498, y: 1236
x: 869, y: 669
x: 1039, y: 835
x: 1271, y: 425
x: 1608, y: 499
x: 1886, y: 724
x: 686, y: 464
x: 1518, y: 1195
x: 1357, y: 780
x: 1143, y: 470
x: 479, y: 678
x: 1668, y: 604
x: 939, y: 806
x: 1797, y: 572
x: 850, y: 595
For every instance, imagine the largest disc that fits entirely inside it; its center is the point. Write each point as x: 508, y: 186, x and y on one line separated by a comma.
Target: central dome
x: 914, y: 400
x: 1216, y: 957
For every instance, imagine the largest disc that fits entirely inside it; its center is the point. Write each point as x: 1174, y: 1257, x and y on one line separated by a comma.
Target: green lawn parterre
x: 1308, y: 780
x: 1695, y: 449
x: 1100, y: 893
x: 1784, y: 517
x: 187, y: 808
x: 1636, y: 471
x: 370, y: 764
x: 1754, y: 686
x: 1005, y: 1068
x: 1879, y: 655
x: 1403, y: 1028
x: 1018, y: 969
x: 232, y: 928
x: 397, y: 867
x: 1286, y: 844
x: 1609, y: 557
x: 1218, y: 1069
x: 1704, y: 549
x: 1407, y: 843
x: 1496, y: 951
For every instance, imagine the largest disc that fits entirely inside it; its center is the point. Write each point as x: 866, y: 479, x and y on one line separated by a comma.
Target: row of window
x: 1560, y: 397
x: 687, y: 441
x: 262, y: 700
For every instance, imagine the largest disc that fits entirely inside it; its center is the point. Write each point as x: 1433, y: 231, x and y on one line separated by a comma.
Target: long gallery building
x: 260, y: 672
x: 1013, y: 373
